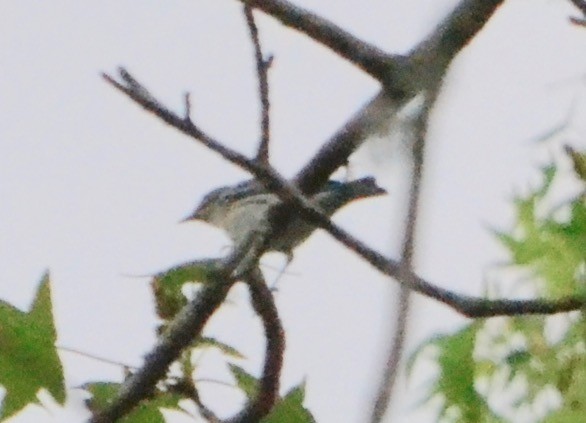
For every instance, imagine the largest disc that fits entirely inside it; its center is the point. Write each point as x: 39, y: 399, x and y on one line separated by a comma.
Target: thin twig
x: 262, y: 67
x: 404, y: 78
x: 95, y: 357
x: 187, y: 106
x: 215, y: 381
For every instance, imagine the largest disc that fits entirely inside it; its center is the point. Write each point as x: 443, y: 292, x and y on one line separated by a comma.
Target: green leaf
x: 244, y: 380
x: 167, y: 285
x: 578, y: 160
x: 455, y: 383
x: 552, y: 249
x: 28, y: 357
x: 223, y: 347
x: 147, y: 411
x: 290, y: 408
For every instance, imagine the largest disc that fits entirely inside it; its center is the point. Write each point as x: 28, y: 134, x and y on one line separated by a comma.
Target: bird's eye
x: 221, y: 201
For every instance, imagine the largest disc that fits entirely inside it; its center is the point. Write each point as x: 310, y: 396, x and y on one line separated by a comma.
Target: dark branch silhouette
x: 402, y: 78
x: 292, y: 197
x: 180, y: 333
x: 417, y: 136
x: 268, y: 390
x: 368, y: 58
x: 262, y: 67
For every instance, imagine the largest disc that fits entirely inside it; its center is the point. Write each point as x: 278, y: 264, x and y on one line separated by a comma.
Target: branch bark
x: 367, y: 57
x: 268, y: 392
x: 181, y: 332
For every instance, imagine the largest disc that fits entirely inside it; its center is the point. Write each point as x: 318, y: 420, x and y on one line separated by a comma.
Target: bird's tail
x: 362, y: 188
x: 337, y: 194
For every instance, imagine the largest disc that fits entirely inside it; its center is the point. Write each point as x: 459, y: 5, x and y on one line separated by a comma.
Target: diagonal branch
x: 580, y: 5
x: 372, y: 119
x: 369, y: 58
x: 295, y: 201
x: 179, y: 334
x: 434, y: 54
x: 184, y: 329
x: 268, y: 390
x: 192, y: 318
x: 423, y: 69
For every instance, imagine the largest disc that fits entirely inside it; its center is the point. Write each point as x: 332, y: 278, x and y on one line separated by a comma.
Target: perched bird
x: 242, y: 208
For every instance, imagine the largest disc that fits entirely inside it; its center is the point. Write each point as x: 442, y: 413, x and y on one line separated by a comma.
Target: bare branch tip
x: 187, y: 105
x: 124, y: 74
x: 106, y: 76
x: 268, y: 62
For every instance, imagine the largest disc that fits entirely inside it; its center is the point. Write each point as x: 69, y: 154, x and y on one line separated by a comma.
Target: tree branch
x: 184, y: 329
x: 400, y: 314
x: 268, y: 391
x: 580, y: 5
x: 193, y: 317
x: 372, y: 119
x: 402, y: 79
x: 296, y: 202
x: 373, y: 61
x: 178, y: 335
x: 423, y: 68
x: 431, y: 57
x: 262, y: 67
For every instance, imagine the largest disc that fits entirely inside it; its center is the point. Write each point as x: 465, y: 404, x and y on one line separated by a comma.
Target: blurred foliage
x: 147, y: 411
x: 288, y: 409
x: 524, y: 368
x: 28, y: 356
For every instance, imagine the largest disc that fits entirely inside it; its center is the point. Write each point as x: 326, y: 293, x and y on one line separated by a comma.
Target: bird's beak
x: 196, y: 215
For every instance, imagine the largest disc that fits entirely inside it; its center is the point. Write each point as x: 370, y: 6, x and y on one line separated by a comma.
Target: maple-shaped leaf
x: 28, y: 356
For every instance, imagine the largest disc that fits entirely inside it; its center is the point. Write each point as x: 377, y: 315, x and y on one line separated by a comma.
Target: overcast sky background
x: 93, y: 188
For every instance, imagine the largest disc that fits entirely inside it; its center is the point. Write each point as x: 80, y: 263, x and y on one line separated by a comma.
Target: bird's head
x: 216, y: 205
x: 213, y: 206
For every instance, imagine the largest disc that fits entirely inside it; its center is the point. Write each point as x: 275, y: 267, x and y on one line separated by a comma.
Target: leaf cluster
x: 499, y: 369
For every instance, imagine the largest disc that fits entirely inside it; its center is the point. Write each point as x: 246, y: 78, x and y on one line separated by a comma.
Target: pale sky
x: 93, y: 188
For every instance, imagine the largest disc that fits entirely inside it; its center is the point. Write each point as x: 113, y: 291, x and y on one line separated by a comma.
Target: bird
x: 242, y: 208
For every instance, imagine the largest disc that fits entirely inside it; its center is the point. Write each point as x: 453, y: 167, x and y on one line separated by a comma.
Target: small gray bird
x: 244, y: 207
